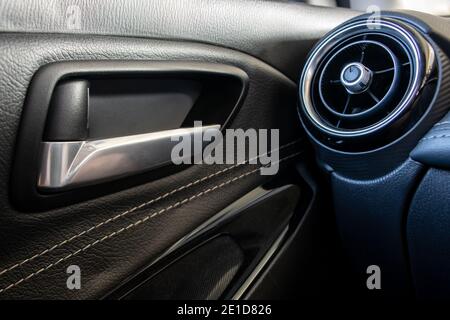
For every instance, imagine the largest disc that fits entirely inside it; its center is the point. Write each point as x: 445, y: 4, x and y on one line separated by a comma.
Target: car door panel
x: 278, y: 33
x: 112, y: 236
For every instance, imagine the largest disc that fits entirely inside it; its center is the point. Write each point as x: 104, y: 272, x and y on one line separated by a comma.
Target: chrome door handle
x: 70, y: 164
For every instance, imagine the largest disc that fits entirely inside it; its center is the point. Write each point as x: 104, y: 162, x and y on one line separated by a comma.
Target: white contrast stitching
x: 436, y: 137
x: 441, y: 123
x: 138, y: 222
x: 120, y: 215
x: 440, y: 129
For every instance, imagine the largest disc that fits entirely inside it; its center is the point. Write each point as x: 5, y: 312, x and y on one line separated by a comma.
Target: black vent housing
x: 399, y: 61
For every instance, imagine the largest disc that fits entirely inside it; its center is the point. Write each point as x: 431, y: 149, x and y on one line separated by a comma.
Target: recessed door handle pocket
x: 87, y: 123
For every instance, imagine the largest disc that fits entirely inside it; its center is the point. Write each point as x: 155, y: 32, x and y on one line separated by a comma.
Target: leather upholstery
x: 370, y: 218
x: 278, y: 33
x: 434, y: 148
x: 427, y: 236
x: 111, y: 237
x: 115, y: 235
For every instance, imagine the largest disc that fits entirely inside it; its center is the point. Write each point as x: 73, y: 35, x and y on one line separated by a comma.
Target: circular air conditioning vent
x: 360, y: 81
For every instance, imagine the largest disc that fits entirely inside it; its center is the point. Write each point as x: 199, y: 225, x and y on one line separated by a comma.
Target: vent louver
x: 359, y: 81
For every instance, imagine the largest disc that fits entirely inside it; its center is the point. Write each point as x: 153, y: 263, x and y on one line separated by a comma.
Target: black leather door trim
x: 134, y: 224
x: 277, y: 32
x: 135, y: 208
x: 270, y: 103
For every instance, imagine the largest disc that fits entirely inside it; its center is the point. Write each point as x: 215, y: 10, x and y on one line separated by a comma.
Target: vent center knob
x: 356, y: 77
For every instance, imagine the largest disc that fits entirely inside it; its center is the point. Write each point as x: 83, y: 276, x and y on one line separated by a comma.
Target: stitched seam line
x: 436, y: 137
x: 123, y: 214
x: 440, y: 129
x: 441, y: 123
x: 138, y: 222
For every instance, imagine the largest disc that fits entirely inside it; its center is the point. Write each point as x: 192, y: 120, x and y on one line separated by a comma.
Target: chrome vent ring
x: 385, y: 68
